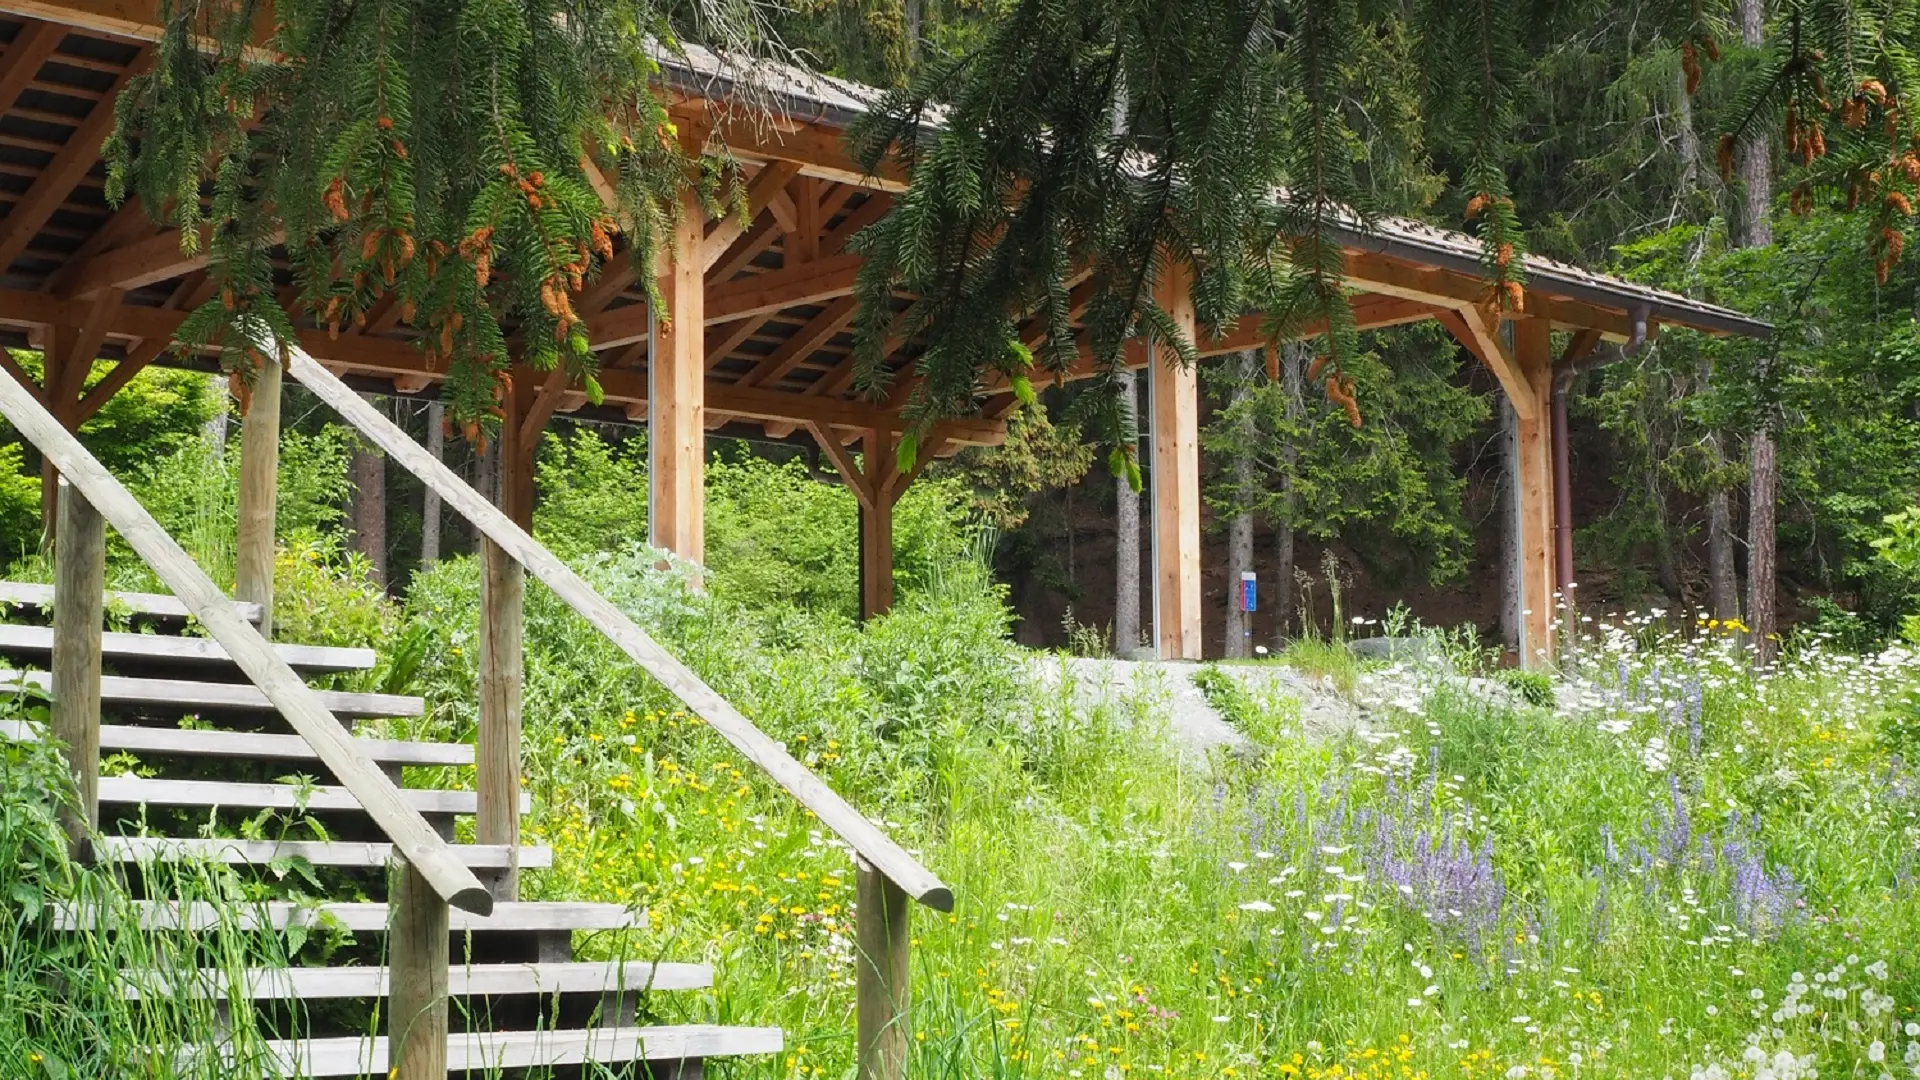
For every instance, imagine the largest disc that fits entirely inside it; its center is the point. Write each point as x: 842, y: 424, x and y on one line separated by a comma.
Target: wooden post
x: 876, y: 526
x: 502, y: 656
x: 1533, y: 354
x: 418, y: 944
x: 259, y: 483
x: 497, y: 745
x: 881, y: 994
x: 1176, y: 481
x: 676, y: 402
x: 79, y: 599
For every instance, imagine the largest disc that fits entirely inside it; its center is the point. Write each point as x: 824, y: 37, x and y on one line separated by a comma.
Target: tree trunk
x: 914, y: 18
x: 1293, y: 361
x: 430, y: 507
x: 1667, y: 564
x: 1762, y: 485
x: 370, y: 508
x: 1238, y: 641
x: 1126, y: 547
x: 1723, y: 582
x: 1509, y: 504
x: 1763, y: 475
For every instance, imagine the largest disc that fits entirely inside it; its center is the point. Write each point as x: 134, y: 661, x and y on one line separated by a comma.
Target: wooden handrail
x: 413, y: 839
x: 872, y: 846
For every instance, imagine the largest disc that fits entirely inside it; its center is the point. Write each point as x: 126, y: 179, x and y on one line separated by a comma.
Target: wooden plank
x: 676, y: 424
x: 364, y: 918
x: 114, y: 381
x: 417, y: 948
x: 136, y: 790
x: 834, y: 812
x: 881, y: 997
x: 317, y: 852
x: 158, y: 605
x: 487, y: 1052
x: 195, y: 742
x: 851, y: 474
x: 80, y: 566
x: 463, y: 980
x: 237, y: 697
x: 162, y: 647
x: 57, y: 179
x: 259, y: 485
x: 1176, y: 484
x: 266, y: 668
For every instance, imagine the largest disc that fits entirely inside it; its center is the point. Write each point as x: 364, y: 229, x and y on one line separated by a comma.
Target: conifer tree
x: 435, y: 151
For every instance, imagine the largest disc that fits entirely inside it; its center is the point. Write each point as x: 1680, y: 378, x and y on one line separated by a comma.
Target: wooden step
x: 156, y: 605
x: 250, y: 744
x: 165, y: 648
x: 517, y: 916
x: 140, y: 790
x: 221, y: 697
x: 317, y: 852
x: 480, y: 1051
x: 470, y: 980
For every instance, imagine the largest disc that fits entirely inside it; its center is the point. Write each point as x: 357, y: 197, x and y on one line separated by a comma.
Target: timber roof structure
x: 778, y: 289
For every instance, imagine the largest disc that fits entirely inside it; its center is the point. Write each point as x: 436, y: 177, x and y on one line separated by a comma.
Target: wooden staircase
x: 520, y: 1001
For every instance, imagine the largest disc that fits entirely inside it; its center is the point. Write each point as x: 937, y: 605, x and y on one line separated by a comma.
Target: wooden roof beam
x: 69, y: 164
x: 21, y: 62
x: 1482, y: 338
x: 804, y: 343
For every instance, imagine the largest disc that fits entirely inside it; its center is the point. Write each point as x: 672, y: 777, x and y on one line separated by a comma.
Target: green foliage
x: 64, y: 1007
x: 1388, y: 489
x: 592, y: 492
x: 1038, y: 456
x: 1534, y: 687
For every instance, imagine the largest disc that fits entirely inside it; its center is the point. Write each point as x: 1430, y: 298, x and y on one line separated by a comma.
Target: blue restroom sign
x: 1248, y: 591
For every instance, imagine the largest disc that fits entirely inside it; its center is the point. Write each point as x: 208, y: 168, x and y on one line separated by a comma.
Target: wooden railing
x: 887, y: 876
x: 427, y: 875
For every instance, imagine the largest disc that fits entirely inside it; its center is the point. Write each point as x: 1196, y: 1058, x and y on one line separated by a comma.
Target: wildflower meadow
x: 1680, y: 867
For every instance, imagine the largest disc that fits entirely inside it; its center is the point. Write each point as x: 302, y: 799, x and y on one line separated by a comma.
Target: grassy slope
x: 1474, y: 890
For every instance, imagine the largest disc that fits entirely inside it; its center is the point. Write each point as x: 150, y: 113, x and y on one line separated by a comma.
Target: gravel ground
x: 1197, y: 727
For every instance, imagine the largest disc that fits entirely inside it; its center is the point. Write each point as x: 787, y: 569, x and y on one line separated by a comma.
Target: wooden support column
x: 79, y: 599
x: 259, y: 483
x: 881, y: 997
x: 418, y: 944
x: 876, y: 484
x: 1176, y: 481
x: 876, y: 526
x: 502, y: 637
x: 1533, y: 355
x: 676, y: 401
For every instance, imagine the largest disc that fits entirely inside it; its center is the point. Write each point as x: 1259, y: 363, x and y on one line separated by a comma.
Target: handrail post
x: 259, y: 483
x: 880, y: 931
x: 79, y: 601
x: 418, y: 948
x: 497, y: 742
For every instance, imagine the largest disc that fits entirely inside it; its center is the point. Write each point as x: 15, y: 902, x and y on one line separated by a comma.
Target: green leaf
x: 1022, y: 388
x: 1117, y: 463
x: 1133, y: 476
x: 1021, y: 353
x: 595, y: 395
x: 909, y: 453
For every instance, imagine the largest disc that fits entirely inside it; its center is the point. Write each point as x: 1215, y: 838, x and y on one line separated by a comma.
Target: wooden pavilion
x: 761, y: 315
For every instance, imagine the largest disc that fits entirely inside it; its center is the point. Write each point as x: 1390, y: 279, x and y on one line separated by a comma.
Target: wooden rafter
x: 69, y: 164
x: 766, y: 184
x: 804, y: 343
x: 21, y: 62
